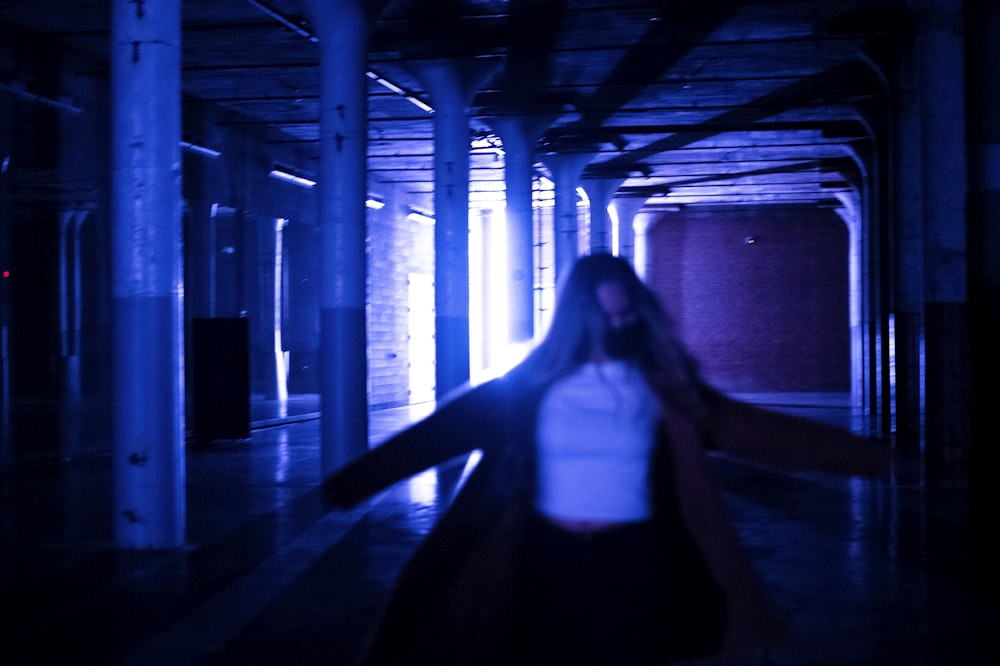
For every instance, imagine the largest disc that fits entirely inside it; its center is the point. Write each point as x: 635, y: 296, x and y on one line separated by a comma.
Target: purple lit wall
x: 760, y: 296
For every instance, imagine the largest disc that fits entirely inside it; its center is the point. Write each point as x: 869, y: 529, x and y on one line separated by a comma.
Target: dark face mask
x: 625, y: 342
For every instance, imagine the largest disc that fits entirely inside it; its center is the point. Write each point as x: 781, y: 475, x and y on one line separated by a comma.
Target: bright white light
x: 385, y: 83
x: 583, y: 231
x: 420, y: 296
x: 488, y: 144
x: 470, y: 467
x: 422, y: 218
x: 477, y: 305
x: 389, y: 85
x: 488, y: 316
x: 615, y: 234
x: 488, y: 199
x: 278, y: 174
x: 374, y: 204
x: 280, y: 357
x: 419, y: 103
x: 544, y: 195
x: 423, y: 488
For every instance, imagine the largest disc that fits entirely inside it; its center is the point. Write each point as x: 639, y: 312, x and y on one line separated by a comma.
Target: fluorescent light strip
x: 422, y: 218
x: 408, y: 96
x: 285, y: 21
x: 20, y: 89
x: 420, y: 104
x: 385, y: 83
x: 200, y: 150
x: 294, y: 26
x: 277, y: 174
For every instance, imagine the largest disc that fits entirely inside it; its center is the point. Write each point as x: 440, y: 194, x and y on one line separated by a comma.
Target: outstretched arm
x: 459, y: 426
x: 776, y: 438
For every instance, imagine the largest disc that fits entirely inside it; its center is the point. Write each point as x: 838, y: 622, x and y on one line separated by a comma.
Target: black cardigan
x: 456, y: 599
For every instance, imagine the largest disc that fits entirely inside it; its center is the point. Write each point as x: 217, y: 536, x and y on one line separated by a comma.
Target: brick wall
x: 759, y: 295
x: 396, y: 247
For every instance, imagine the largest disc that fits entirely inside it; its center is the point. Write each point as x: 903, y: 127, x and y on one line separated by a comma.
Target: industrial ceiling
x: 687, y: 102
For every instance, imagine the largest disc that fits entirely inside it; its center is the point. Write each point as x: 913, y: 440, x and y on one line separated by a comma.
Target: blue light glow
x: 488, y: 303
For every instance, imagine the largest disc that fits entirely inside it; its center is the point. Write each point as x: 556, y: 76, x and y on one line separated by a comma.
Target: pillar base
x: 948, y: 397
x: 344, y: 386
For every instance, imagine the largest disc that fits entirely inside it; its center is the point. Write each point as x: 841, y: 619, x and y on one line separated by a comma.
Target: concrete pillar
x: 850, y: 213
x: 452, y: 84
x: 147, y: 339
x: 875, y: 308
x: 70, y: 301
x: 566, y: 168
x: 941, y: 66
x: 600, y: 191
x: 70, y: 311
x: 983, y: 32
x: 5, y: 262
x: 909, y: 255
x: 641, y: 225
x: 519, y: 134
x: 342, y: 29
x: 627, y: 207
x: 873, y: 158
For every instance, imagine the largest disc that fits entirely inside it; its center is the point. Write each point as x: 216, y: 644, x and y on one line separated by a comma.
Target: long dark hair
x: 665, y: 362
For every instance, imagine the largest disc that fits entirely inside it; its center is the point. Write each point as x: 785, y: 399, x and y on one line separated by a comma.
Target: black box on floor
x: 221, y: 374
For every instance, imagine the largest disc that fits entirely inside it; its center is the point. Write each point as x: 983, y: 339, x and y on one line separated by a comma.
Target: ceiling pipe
x: 284, y: 20
x: 374, y: 76
x: 32, y: 97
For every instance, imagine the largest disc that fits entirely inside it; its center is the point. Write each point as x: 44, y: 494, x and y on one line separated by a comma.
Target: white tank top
x: 595, y: 436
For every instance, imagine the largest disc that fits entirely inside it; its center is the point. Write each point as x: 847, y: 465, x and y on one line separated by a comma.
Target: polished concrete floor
x: 865, y: 572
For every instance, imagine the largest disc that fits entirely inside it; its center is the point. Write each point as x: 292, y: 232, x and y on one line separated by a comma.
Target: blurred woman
x: 591, y: 531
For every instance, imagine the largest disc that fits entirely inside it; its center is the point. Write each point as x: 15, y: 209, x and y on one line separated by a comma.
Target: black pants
x: 594, y: 598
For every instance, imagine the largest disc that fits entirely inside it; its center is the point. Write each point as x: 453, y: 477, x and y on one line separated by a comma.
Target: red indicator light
x: 6, y: 274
